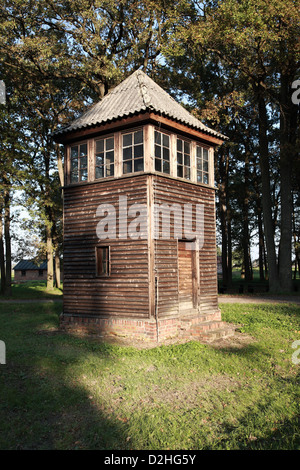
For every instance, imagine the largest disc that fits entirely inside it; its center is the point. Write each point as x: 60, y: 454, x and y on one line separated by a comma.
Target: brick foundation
x: 205, y: 327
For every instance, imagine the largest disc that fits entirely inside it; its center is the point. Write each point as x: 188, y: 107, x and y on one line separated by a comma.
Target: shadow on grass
x: 43, y: 404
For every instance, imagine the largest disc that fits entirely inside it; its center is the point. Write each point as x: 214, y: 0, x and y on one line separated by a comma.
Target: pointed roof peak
x: 138, y: 93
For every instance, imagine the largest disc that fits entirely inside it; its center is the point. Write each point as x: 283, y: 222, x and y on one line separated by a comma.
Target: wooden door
x: 187, y: 279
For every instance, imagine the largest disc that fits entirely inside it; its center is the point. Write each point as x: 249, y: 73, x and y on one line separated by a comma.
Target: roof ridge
x: 143, y: 88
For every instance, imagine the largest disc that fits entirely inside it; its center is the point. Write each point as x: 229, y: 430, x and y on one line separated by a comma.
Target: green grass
x: 60, y: 391
x: 33, y: 290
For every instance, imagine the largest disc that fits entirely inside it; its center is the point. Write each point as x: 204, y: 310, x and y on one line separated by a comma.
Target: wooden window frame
x: 133, y: 145
x: 105, y: 165
x: 78, y: 167
x: 202, y: 165
x: 100, y: 272
x: 183, y: 154
x: 160, y: 145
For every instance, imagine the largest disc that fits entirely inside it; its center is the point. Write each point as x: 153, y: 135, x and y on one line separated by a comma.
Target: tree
x: 258, y: 43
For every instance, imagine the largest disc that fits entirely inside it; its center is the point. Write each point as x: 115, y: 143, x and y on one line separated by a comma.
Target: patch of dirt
x: 237, y: 341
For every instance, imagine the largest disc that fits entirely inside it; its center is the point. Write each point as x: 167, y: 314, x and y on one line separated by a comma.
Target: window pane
x: 179, y: 171
x: 99, y: 146
x: 83, y: 149
x: 100, y: 159
x: 99, y: 172
x: 74, y: 164
x: 138, y: 137
x: 138, y: 151
x: 199, y: 176
x: 186, y: 147
x: 166, y: 167
x: 157, y: 164
x: 83, y: 175
x: 127, y: 140
x: 139, y: 165
x: 187, y: 160
x: 179, y: 145
x: 199, y: 152
x: 157, y: 137
x: 166, y: 154
x: 102, y: 261
x: 110, y: 143
x: 179, y: 158
x: 110, y: 157
x: 166, y: 140
x: 74, y: 152
x: 127, y: 153
x: 74, y: 177
x: 205, y: 154
x: 127, y: 167
x: 205, y: 178
x: 187, y: 173
x: 157, y: 151
x: 110, y: 170
x: 83, y: 162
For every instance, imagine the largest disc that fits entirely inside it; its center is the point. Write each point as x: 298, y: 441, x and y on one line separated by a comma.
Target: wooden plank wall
x: 170, y: 191
x: 126, y: 291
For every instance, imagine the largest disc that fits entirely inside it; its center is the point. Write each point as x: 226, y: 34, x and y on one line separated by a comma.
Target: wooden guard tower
x: 139, y: 218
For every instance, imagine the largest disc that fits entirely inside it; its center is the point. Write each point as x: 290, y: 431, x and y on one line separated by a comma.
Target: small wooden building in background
x: 139, y: 217
x: 28, y: 270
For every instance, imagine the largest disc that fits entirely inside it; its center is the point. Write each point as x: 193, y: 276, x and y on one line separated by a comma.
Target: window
x: 41, y: 272
x: 23, y: 273
x: 202, y: 165
x: 104, y: 161
x: 102, y: 261
x: 162, y: 152
x: 183, y: 159
x: 79, y: 170
x: 133, y: 152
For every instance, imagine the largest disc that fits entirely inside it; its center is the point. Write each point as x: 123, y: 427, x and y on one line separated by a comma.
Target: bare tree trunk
x: 57, y: 269
x: 245, y: 209
x: 50, y: 277
x: 7, y: 237
x: 288, y: 133
x: 224, y: 213
x: 229, y: 249
x: 2, y: 257
x: 266, y: 195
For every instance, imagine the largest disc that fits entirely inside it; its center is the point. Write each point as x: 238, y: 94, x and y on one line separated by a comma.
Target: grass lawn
x: 33, y: 290
x: 60, y: 391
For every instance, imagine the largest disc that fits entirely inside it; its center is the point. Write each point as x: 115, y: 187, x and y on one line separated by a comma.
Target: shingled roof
x: 136, y: 94
x: 25, y: 264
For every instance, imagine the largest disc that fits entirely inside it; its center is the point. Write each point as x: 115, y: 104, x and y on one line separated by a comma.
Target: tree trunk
x: 266, y: 195
x: 7, y: 289
x: 224, y: 215
x: 229, y: 249
x: 50, y: 277
x: 245, y: 209
x: 2, y: 257
x: 57, y: 269
x: 288, y: 132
